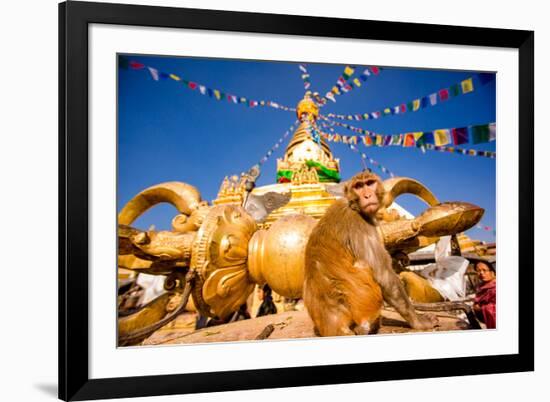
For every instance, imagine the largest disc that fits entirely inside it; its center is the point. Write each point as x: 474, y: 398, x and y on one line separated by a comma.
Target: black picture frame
x: 74, y: 19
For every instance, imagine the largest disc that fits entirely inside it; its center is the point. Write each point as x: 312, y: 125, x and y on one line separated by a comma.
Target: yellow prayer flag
x: 441, y: 137
x: 416, y: 104
x: 467, y: 86
x: 357, y: 82
x: 379, y: 140
x: 348, y: 71
x: 175, y: 77
x: 417, y: 135
x: 217, y: 94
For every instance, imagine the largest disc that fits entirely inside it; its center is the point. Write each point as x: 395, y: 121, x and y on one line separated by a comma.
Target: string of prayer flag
x: 277, y: 144
x: 461, y: 88
x: 305, y: 76
x: 432, y: 140
x: 352, y: 145
x: 344, y: 83
x: 474, y: 134
x: 213, y: 93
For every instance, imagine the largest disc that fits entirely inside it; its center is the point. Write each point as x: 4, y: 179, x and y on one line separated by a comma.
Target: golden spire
x: 307, y: 109
x: 303, y: 147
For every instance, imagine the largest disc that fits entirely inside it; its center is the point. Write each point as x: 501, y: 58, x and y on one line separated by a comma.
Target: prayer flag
x: 348, y: 71
x: 409, y: 140
x: 217, y: 94
x: 396, y: 110
x: 433, y: 99
x: 330, y: 96
x: 164, y: 76
x: 416, y: 104
x: 455, y: 90
x: 366, y: 116
x: 460, y: 135
x: 387, y: 140
x: 175, y: 77
x: 467, y: 86
x: 367, y: 141
x: 403, y: 108
x: 302, y: 68
x: 154, y: 73
x: 442, y: 137
x: 480, y: 134
x: 210, y: 92
x: 136, y: 65
x: 379, y: 140
x: 357, y: 82
x: 423, y: 102
x: 192, y: 85
x: 492, y: 132
x: 387, y: 111
x: 426, y: 139
x: 375, y: 70
x: 410, y: 106
x: 202, y: 89
x: 444, y: 94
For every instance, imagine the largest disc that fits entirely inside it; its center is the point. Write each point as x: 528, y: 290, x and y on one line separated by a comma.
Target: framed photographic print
x: 258, y: 201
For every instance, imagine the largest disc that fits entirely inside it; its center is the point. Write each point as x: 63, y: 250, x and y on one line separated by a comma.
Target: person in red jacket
x: 485, y: 302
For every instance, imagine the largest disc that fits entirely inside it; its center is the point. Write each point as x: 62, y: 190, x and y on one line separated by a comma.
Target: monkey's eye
x: 359, y: 185
x: 370, y: 182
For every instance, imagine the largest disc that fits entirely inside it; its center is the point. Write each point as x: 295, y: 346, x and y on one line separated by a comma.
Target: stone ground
x: 291, y: 324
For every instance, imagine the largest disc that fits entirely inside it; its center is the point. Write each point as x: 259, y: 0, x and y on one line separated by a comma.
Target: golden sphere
x: 277, y: 256
x: 308, y: 107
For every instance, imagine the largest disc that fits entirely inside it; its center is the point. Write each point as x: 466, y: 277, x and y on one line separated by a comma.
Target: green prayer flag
x: 480, y: 134
x: 455, y: 90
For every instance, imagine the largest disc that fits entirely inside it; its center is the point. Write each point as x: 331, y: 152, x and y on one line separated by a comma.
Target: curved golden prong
x: 397, y: 186
x: 184, y: 197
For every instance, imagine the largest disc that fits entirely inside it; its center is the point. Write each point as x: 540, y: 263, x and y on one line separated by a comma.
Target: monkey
x: 348, y: 271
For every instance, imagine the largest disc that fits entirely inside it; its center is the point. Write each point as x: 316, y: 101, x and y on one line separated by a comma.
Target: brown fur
x: 348, y: 271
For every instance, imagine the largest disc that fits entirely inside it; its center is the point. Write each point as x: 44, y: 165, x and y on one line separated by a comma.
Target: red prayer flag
x: 192, y: 85
x: 460, y: 135
x: 403, y: 108
x: 375, y: 70
x: 444, y: 94
x: 409, y: 140
x: 136, y: 66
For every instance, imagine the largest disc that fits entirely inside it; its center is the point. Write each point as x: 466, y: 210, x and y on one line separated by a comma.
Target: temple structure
x: 306, y: 170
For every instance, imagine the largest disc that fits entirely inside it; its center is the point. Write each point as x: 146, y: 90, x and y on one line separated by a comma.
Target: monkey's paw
x: 426, y: 321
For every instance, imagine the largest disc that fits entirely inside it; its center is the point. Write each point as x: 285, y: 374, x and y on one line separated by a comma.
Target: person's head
x: 486, y: 271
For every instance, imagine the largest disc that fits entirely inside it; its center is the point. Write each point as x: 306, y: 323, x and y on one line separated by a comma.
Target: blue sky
x: 168, y: 132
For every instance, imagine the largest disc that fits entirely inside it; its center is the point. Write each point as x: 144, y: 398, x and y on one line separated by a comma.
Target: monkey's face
x: 367, y: 195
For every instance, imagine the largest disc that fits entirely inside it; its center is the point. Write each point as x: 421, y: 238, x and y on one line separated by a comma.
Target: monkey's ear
x: 337, y: 190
